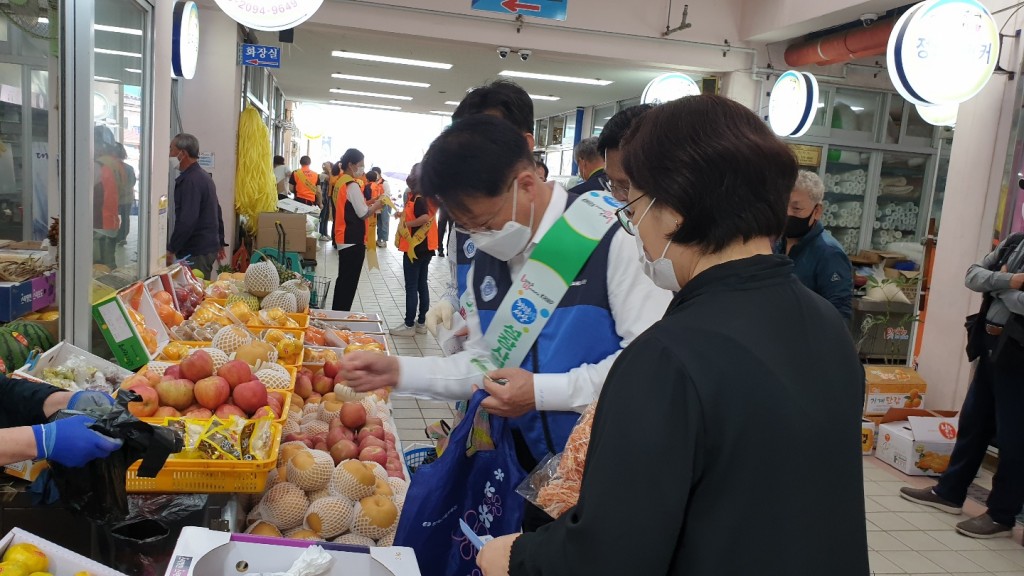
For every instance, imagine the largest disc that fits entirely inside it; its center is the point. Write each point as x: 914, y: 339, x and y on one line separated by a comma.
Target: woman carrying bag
x: 417, y: 239
x: 351, y: 213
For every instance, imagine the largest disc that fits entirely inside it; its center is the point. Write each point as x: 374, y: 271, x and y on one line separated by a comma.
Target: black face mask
x: 797, y: 227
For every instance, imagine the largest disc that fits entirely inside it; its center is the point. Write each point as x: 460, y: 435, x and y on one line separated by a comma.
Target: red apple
x: 212, y: 392
x: 250, y: 396
x: 303, y: 386
x: 332, y: 368
x: 335, y: 423
x: 265, y: 412
x: 368, y: 441
x: 235, y: 372
x: 173, y: 371
x: 199, y: 413
x: 136, y: 380
x: 166, y: 412
x: 372, y: 430
x: 373, y: 454
x: 197, y: 365
x: 148, y: 405
x: 321, y: 445
x: 353, y: 415
x: 335, y: 435
x: 227, y: 410
x: 176, y: 393
x: 323, y: 385
x: 389, y: 438
x: 344, y: 450
x: 275, y: 405
x: 302, y: 437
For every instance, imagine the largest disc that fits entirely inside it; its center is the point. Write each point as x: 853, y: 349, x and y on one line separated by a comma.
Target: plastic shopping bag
x: 478, y: 489
x: 554, y: 486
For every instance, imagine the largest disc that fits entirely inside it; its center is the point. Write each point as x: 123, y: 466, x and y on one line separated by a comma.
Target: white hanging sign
x: 793, y: 104
x: 669, y: 87
x: 943, y: 51
x: 939, y: 115
x: 185, y: 40
x: 271, y: 15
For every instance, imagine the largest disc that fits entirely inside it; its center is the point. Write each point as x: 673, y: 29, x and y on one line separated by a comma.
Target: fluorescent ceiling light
x: 453, y: 103
x: 441, y: 112
x: 370, y: 94
x: 390, y: 60
x: 117, y: 53
x: 857, y: 108
x: 134, y: 70
x: 542, y: 97
x: 380, y: 80
x: 105, y: 79
x: 119, y: 30
x: 43, y: 20
x: 553, y: 78
x: 360, y: 105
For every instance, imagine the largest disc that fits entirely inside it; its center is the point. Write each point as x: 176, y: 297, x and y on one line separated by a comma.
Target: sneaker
x: 983, y: 527
x: 403, y: 330
x: 927, y: 497
x: 421, y: 328
x: 324, y: 238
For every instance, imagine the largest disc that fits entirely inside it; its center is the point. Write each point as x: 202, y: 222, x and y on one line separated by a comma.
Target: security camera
x: 525, y: 54
x: 503, y: 52
x: 869, y: 18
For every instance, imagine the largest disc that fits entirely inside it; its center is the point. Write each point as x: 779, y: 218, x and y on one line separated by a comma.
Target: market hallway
x: 903, y: 537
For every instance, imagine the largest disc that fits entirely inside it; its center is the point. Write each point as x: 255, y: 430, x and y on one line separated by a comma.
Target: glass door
x: 847, y: 172
x: 900, y: 208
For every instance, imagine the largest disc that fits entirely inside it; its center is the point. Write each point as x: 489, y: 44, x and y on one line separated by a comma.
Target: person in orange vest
x: 305, y: 184
x: 109, y: 180
x: 351, y: 210
x: 417, y: 239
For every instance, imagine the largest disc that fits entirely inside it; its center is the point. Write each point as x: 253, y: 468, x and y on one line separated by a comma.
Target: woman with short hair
x: 351, y: 212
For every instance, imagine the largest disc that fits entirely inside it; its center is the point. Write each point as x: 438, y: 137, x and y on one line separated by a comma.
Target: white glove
x: 440, y: 313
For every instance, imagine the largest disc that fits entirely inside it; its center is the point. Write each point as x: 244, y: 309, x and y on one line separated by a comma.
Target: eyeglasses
x: 485, y: 225
x: 625, y: 214
x: 613, y: 189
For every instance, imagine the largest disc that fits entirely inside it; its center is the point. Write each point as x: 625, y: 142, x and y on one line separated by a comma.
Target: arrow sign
x: 548, y: 9
x: 261, y: 56
x: 514, y: 6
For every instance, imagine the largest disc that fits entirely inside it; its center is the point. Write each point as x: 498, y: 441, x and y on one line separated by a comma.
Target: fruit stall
x: 246, y: 376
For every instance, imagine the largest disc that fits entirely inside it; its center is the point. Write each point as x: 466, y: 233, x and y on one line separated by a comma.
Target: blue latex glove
x: 70, y: 442
x: 86, y: 399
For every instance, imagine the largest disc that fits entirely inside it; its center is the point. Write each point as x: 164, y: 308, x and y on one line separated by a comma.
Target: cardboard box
x: 294, y: 229
x: 60, y: 354
x: 62, y: 560
x: 892, y: 387
x: 120, y: 332
x: 312, y: 248
x: 917, y: 442
x: 200, y: 552
x: 293, y: 207
x: 868, y: 436
x: 20, y: 298
x: 27, y: 470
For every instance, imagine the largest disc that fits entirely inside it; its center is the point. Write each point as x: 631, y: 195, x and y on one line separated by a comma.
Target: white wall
x: 209, y: 106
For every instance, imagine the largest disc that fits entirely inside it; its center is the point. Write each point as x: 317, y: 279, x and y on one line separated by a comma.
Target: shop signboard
x: 669, y: 87
x: 806, y: 155
x: 270, y: 16
x: 793, y: 104
x: 943, y: 52
x: 259, y: 56
x: 185, y: 40
x: 548, y: 9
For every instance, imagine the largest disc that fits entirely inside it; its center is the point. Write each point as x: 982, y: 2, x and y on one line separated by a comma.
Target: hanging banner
x: 270, y: 16
x: 793, y: 104
x: 943, y: 51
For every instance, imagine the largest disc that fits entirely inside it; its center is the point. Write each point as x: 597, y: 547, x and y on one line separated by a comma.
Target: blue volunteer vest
x: 464, y: 252
x: 580, y: 331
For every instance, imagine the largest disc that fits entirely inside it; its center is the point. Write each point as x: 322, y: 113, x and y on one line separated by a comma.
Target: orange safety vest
x: 410, y: 215
x: 105, y: 198
x: 305, y: 184
x: 349, y: 228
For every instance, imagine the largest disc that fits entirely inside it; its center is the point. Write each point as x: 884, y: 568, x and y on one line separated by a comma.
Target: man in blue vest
x: 482, y: 170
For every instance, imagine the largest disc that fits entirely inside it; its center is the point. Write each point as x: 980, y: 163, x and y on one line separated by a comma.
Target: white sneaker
x: 324, y: 238
x: 421, y: 328
x: 403, y: 330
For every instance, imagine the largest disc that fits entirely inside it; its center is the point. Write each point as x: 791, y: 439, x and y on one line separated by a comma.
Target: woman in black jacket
x: 711, y: 423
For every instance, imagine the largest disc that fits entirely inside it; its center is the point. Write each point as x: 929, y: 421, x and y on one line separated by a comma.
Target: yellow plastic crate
x: 208, y: 476
x: 301, y: 319
x: 193, y: 344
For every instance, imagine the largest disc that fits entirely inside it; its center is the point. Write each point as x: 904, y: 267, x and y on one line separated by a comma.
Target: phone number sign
x: 271, y: 15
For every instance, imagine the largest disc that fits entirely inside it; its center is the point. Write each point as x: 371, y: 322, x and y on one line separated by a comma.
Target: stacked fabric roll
x: 896, y: 186
x: 853, y: 183
x: 901, y: 216
x: 849, y: 238
x: 881, y: 239
x: 842, y: 214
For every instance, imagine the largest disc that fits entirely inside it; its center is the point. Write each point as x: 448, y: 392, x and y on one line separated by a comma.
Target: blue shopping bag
x: 478, y: 489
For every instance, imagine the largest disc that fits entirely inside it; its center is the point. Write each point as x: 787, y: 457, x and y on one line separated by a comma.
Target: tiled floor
x: 903, y: 537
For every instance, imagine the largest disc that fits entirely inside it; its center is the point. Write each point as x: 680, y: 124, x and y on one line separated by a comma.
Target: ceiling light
x: 390, y: 60
x: 131, y: 31
x: 453, y: 103
x: 370, y: 94
x: 117, y: 53
x: 441, y: 112
x: 857, y: 108
x: 133, y: 70
x: 380, y: 80
x: 43, y: 20
x: 553, y: 78
x: 542, y: 97
x: 105, y: 79
x: 360, y: 105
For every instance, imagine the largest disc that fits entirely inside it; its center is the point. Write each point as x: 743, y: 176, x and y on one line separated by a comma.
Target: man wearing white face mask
x: 198, y: 234
x: 482, y: 171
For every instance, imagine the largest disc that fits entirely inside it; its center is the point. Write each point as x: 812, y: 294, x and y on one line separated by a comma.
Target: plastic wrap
x: 77, y: 373
x: 554, y: 486
x: 315, y: 561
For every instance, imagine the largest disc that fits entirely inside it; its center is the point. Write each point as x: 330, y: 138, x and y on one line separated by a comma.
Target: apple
x: 343, y: 450
x: 136, y: 380
x: 250, y: 396
x: 166, y: 412
x: 275, y: 405
x: 302, y: 437
x: 197, y: 365
x: 172, y: 372
x: 148, y: 405
x: 176, y: 393
x: 389, y: 438
x: 212, y: 392
x: 321, y: 445
x: 353, y: 415
x: 235, y: 372
x: 335, y: 423
x: 374, y: 454
x: 303, y: 386
x: 370, y: 421
x: 332, y: 368
x: 371, y: 430
x: 199, y: 413
x: 323, y: 385
x: 368, y: 441
x: 265, y: 412
x: 227, y: 411
x: 334, y: 435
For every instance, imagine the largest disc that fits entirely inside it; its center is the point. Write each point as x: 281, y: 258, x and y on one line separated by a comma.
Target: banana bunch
x: 255, y: 188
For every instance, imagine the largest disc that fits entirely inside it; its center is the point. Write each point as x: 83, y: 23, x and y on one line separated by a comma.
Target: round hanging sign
x: 271, y: 15
x: 943, y: 51
x: 793, y: 104
x: 669, y: 87
x: 309, y: 120
x: 185, y: 40
x: 939, y: 115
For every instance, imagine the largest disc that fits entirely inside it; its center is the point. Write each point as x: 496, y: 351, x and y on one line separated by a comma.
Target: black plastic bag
x: 97, y: 490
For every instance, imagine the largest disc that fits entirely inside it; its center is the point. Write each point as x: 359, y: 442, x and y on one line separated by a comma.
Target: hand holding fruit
x: 369, y: 371
x: 510, y: 400
x: 494, y: 557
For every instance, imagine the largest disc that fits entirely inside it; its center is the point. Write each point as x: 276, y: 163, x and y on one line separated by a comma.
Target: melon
x: 284, y: 505
x: 218, y: 356
x: 231, y: 338
x: 300, y: 290
x: 310, y: 470
x: 329, y: 516
x: 280, y: 299
x: 354, y: 540
x: 374, y: 516
x: 273, y: 379
x: 261, y: 279
x: 352, y: 480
